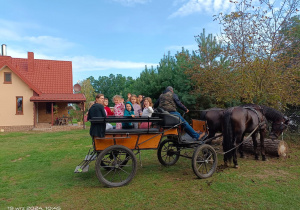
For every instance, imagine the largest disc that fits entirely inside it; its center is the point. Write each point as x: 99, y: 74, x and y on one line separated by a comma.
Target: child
x: 137, y: 108
x: 106, y: 107
x: 129, y: 111
x: 118, y: 109
x: 128, y: 96
x: 147, y: 112
x: 140, y: 100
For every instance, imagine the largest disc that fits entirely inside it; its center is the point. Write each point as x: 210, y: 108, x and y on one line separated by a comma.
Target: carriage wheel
x: 168, y: 152
x: 116, y: 166
x: 204, y: 161
x: 109, y: 158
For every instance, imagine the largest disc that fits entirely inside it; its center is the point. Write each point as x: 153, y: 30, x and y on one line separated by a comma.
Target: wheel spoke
x: 108, y: 173
x: 205, y: 165
x: 120, y: 176
x: 164, y: 155
x: 199, y: 166
x: 166, y: 158
x: 121, y: 169
x: 168, y: 153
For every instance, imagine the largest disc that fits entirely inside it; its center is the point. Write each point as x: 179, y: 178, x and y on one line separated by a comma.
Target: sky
x: 103, y: 37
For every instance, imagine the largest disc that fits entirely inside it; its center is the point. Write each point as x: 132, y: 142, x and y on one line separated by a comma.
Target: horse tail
x: 227, y: 134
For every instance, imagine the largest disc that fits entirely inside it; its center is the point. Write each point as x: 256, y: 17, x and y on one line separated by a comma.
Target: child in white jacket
x: 147, y: 112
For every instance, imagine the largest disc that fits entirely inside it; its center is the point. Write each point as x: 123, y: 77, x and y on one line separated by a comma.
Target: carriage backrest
x: 169, y: 120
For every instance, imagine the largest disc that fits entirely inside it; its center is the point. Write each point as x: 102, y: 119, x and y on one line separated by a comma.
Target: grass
x: 37, y: 170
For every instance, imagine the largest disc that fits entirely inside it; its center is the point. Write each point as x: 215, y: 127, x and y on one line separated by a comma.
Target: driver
x: 168, y: 102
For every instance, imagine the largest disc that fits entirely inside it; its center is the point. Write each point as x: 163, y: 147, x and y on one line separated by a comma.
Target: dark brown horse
x: 238, y: 121
x: 213, y: 118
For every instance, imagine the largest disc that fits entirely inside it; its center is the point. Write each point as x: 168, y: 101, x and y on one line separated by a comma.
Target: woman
x: 97, y: 110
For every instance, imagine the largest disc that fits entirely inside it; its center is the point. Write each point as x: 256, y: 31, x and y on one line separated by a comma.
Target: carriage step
x: 78, y: 169
x: 90, y: 157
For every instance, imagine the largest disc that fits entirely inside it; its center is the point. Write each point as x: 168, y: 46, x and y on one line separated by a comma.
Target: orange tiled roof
x: 48, y: 78
x: 69, y: 97
x: 33, y: 87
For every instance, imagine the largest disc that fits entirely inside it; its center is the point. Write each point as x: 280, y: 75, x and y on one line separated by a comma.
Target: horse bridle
x: 282, y: 126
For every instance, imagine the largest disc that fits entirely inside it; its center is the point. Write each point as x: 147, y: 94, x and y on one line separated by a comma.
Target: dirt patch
x: 221, y: 168
x: 21, y: 158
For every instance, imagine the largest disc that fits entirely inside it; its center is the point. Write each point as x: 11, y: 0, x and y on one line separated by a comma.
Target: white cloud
x: 84, y: 63
x: 91, y: 63
x: 218, y: 4
x: 202, y: 6
x: 13, y: 32
x: 50, y: 43
x: 42, y: 46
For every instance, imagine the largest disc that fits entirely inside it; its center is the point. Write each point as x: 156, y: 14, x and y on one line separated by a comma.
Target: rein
x: 244, y: 140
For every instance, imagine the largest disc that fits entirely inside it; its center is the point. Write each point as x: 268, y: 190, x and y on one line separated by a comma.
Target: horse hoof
x: 264, y: 158
x: 242, y: 156
x: 256, y: 158
x: 236, y: 166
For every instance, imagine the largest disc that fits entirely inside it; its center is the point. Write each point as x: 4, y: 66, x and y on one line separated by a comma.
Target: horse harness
x: 261, y: 120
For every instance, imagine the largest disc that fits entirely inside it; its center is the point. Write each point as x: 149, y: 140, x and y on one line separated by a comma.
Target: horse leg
x: 235, y: 158
x: 254, y: 135
x: 241, y: 148
x: 225, y: 161
x: 234, y: 154
x: 262, y: 145
x: 238, y: 139
x: 211, y: 134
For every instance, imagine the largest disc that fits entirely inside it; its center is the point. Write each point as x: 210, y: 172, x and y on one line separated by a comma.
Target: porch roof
x: 65, y: 97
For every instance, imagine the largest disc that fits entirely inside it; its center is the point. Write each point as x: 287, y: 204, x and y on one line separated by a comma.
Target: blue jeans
x: 187, y: 128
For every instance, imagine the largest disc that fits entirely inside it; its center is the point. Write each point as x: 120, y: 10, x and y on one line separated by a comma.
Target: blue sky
x: 101, y: 37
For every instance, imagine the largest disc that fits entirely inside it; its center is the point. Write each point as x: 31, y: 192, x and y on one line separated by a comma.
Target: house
x: 31, y: 89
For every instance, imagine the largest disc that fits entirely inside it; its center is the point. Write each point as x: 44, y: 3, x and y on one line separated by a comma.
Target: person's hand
x: 132, y: 115
x: 187, y: 111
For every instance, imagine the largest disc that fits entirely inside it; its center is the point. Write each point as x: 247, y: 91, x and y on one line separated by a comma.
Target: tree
x: 89, y: 92
x: 171, y: 71
x: 254, y: 38
x: 112, y: 85
x: 210, y: 71
x: 291, y: 37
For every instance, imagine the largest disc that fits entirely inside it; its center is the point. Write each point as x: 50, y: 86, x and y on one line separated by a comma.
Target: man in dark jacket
x: 97, y: 110
x: 168, y: 101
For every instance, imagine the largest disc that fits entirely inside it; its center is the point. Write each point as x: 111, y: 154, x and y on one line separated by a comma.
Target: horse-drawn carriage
x: 115, y: 153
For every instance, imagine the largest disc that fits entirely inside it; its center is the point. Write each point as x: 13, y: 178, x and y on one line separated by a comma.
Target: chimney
x: 30, y: 62
x: 3, y: 47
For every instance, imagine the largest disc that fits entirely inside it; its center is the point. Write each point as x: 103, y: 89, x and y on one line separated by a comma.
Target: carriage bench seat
x: 135, y: 131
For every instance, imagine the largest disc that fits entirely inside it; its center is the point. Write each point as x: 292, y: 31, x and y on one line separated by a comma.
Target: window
x: 19, y: 103
x: 7, y: 77
x: 48, y: 107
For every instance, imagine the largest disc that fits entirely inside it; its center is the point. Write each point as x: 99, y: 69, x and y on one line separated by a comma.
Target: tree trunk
x: 276, y: 148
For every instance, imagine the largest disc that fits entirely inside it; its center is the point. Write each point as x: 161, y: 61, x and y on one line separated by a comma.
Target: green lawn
x: 37, y: 170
